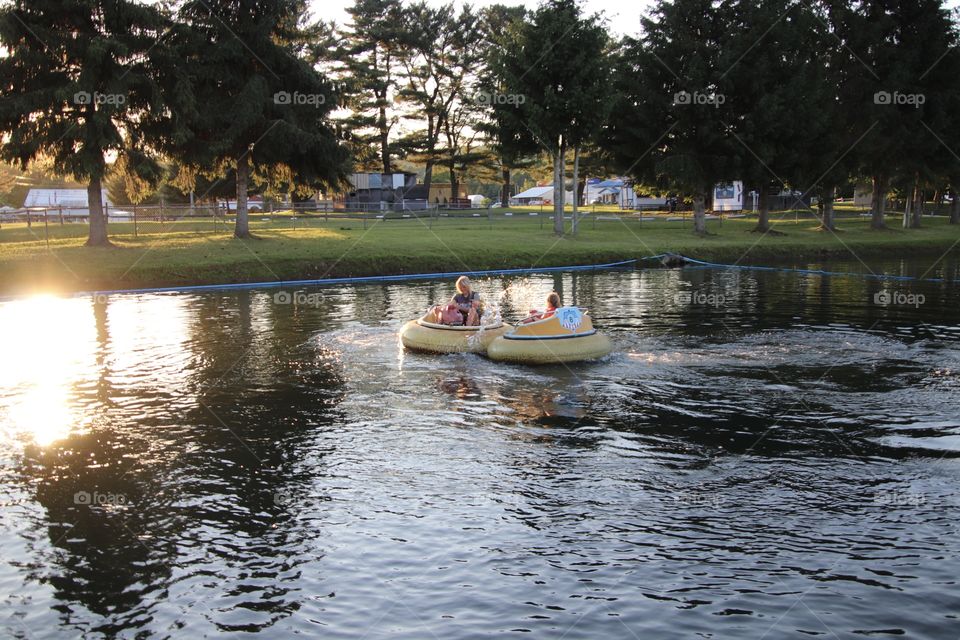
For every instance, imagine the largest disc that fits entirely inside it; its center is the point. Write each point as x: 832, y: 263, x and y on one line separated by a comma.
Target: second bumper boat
x: 566, y: 336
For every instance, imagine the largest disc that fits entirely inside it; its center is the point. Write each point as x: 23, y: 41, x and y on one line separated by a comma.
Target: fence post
x: 60, y: 211
x: 134, y: 221
x: 46, y: 229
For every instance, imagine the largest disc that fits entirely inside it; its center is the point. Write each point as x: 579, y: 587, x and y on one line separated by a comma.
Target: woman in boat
x: 553, y: 303
x: 464, y: 308
x: 468, y: 302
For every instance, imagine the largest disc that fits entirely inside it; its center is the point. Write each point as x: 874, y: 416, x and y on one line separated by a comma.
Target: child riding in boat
x: 553, y: 303
x: 464, y: 309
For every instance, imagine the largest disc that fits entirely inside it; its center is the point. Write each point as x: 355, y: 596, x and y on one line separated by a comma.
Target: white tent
x: 538, y: 195
x: 476, y: 201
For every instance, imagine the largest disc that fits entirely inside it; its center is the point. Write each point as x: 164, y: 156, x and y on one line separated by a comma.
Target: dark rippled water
x: 777, y: 459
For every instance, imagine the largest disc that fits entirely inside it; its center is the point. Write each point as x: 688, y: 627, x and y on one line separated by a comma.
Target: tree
x: 460, y: 137
x: 440, y: 54
x: 560, y: 70
x: 929, y: 38
x: 80, y: 83
x: 504, y: 127
x: 950, y: 139
x: 775, y: 85
x: 369, y: 64
x: 836, y: 126
x: 898, y: 44
x: 671, y: 130
x: 257, y: 102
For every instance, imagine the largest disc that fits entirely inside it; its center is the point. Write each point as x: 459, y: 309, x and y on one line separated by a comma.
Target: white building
x: 618, y: 192
x: 73, y: 202
x: 728, y: 196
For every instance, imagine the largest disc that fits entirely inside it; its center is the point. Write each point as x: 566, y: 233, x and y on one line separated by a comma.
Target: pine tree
x: 671, y: 129
x: 775, y: 86
x: 257, y: 101
x: 440, y: 54
x: 900, y: 47
x: 369, y: 66
x: 502, y: 123
x: 80, y: 83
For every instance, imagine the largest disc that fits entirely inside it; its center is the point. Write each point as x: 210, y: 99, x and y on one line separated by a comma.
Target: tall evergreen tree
x: 257, y: 101
x: 949, y: 138
x: 900, y: 45
x: 369, y: 70
x: 775, y: 85
x: 671, y: 129
x: 929, y: 39
x: 836, y: 127
x: 80, y: 83
x: 440, y: 55
x: 503, y: 125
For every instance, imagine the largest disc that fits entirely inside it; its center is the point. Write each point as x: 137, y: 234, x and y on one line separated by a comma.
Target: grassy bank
x: 180, y: 253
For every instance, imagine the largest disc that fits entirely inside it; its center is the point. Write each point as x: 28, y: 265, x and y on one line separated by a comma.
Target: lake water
x: 764, y: 455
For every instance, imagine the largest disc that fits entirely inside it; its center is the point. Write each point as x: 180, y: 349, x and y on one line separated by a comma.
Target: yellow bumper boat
x: 430, y: 337
x: 566, y: 336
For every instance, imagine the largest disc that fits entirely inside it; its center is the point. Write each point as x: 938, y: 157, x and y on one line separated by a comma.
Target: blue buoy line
x: 356, y: 280
x: 812, y: 272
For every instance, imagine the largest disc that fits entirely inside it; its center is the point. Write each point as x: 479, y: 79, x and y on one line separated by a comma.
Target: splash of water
x: 491, y: 317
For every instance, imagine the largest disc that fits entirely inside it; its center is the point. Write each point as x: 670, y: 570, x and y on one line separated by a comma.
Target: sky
x: 624, y: 15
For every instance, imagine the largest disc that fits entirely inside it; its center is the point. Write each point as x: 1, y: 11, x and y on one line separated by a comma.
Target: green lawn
x: 179, y: 253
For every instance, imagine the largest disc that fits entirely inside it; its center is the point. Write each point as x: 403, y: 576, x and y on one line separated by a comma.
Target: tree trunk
x: 878, y: 203
x: 576, y: 187
x: 454, y: 183
x: 763, y: 203
x: 916, y: 221
x: 506, y: 189
x: 97, y: 236
x: 242, y: 228
x: 699, y: 215
x: 907, y: 203
x: 955, y: 209
x: 559, y: 160
x: 385, y: 141
x: 828, y: 220
x: 428, y: 169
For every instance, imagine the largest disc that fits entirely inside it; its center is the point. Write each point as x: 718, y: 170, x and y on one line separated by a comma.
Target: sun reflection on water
x: 48, y: 344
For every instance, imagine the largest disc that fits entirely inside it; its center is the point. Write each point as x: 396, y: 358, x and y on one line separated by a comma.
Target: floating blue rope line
x: 812, y: 272
x: 356, y: 280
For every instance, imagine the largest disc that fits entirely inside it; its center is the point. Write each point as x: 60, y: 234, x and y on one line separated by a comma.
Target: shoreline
x: 178, y: 258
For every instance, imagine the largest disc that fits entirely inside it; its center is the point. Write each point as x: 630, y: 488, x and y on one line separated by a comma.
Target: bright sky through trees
x: 624, y: 15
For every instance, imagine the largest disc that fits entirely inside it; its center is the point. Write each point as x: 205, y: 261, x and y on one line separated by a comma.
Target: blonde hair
x: 554, y: 299
x: 463, y: 282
